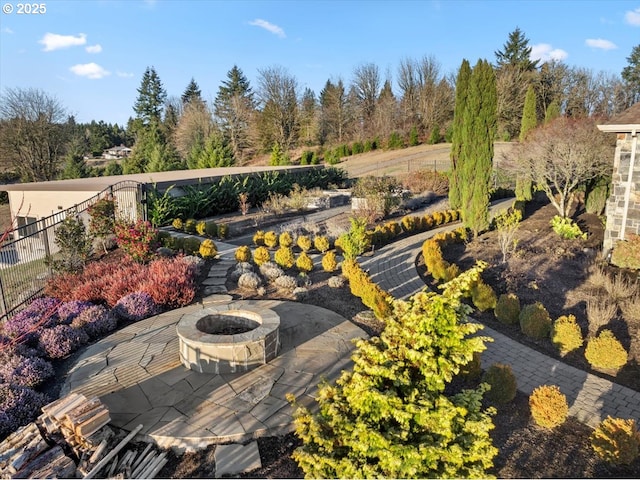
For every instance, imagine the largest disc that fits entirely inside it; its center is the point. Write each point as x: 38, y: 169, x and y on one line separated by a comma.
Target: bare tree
x: 561, y: 156
x: 366, y: 85
x: 409, y: 84
x: 512, y: 83
x: 336, y: 112
x: 279, y: 115
x: 33, y: 136
x: 386, y: 116
x: 193, y: 129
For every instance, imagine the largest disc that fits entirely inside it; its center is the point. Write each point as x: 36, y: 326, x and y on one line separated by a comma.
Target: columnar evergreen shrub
x: 271, y: 239
x: 208, y: 249
x: 261, y: 255
x: 284, y: 257
x: 616, y: 440
x: 304, y: 263
x: 508, y: 308
x: 304, y: 242
x: 606, y: 351
x: 243, y: 254
x: 566, y: 334
x: 390, y: 416
x: 549, y: 407
x: 502, y: 381
x: 321, y: 243
x: 535, y: 321
x: 329, y: 262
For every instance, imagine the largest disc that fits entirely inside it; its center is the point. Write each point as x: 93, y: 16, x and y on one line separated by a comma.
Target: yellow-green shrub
x: 362, y: 287
x: 177, y: 224
x: 508, y: 308
x: 616, y: 440
x: 191, y: 245
x: 394, y: 227
x: 626, y: 253
x: 190, y: 225
x: 502, y: 381
x: 208, y: 249
x: 535, y: 321
x: 605, y: 351
x: 483, y: 296
x: 243, y: 254
x: 285, y: 239
x: 261, y: 255
x: 201, y: 228
x: 408, y: 223
x: 271, y: 239
x: 321, y: 243
x: 427, y: 222
x: 258, y: 238
x: 223, y: 230
x: 438, y: 218
x: 329, y: 262
x: 304, y: 242
x: 304, y: 263
x: 566, y: 334
x: 549, y: 407
x: 284, y: 257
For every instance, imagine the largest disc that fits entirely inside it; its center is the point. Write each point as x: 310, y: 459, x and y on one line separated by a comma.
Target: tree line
x: 40, y: 141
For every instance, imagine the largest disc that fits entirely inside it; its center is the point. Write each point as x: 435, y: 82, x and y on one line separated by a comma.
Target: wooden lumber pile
x: 72, y: 439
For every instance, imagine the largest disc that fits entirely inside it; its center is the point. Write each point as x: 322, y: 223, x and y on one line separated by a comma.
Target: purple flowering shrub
x: 67, y: 311
x: 96, y: 321
x: 44, y: 306
x: 24, y: 371
x: 20, y: 406
x: 136, y: 306
x: 60, y: 341
x: 23, y: 327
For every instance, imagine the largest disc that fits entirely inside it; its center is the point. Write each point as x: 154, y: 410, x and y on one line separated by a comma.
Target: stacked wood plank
x: 72, y: 439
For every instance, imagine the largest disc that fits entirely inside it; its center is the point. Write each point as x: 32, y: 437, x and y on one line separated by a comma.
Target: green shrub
x: 211, y: 229
x: 304, y: 242
x: 605, y: 351
x: 164, y: 238
x: 626, y: 253
x: 261, y: 255
x: 191, y: 245
x: 208, y: 249
x: 75, y: 244
x: 616, y: 441
x: 304, y: 263
x: 357, y: 148
x: 549, y: 407
x: 566, y: 228
x: 271, y: 239
x: 190, y: 225
x: 284, y: 257
x: 329, y: 263
x: 473, y: 369
x: 483, y: 296
x: 177, y: 224
x: 243, y: 254
x: 502, y: 381
x: 566, y: 334
x: 508, y: 308
x: 535, y: 321
x: 223, y: 230
x: 321, y: 243
x: 395, y: 141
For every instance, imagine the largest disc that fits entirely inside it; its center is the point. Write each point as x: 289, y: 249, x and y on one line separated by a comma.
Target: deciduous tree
x: 366, y: 84
x: 278, y: 93
x: 524, y: 186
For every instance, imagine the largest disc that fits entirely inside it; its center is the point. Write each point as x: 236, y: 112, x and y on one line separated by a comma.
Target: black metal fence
x: 23, y: 255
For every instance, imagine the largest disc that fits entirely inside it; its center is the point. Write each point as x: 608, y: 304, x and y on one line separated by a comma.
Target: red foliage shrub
x: 170, y: 282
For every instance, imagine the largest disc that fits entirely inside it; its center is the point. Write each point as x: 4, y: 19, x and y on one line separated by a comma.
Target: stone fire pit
x: 221, y: 339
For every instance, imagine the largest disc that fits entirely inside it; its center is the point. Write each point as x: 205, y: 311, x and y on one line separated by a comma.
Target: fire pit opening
x: 226, y: 324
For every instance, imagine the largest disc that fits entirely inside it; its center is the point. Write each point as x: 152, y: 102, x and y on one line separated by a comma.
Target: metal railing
x: 23, y: 266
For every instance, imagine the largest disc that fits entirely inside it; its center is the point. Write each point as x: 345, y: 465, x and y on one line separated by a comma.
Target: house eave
x: 628, y: 128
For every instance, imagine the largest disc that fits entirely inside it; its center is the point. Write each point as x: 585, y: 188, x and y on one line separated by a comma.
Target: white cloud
x: 7, y: 30
x: 600, y: 43
x: 269, y: 27
x: 633, y: 17
x: 90, y: 70
x: 545, y: 52
x: 53, y: 41
x: 124, y: 74
x: 97, y: 48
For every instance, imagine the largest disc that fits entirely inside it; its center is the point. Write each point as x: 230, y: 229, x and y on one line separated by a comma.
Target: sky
x: 91, y: 54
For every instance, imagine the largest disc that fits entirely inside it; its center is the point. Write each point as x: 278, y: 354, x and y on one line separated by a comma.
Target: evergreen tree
x: 191, y: 92
x: 308, y: 117
x: 524, y: 186
x: 216, y: 153
x: 553, y: 112
x: 476, y: 154
x: 151, y: 98
x: 631, y: 74
x: 516, y: 52
x: 113, y: 168
x: 390, y: 416
x: 462, y: 88
x: 74, y: 166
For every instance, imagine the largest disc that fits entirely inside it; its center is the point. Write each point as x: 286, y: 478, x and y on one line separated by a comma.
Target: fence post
x: 4, y: 300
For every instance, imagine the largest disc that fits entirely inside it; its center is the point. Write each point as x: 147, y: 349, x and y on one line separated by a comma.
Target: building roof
x: 161, y: 179
x: 627, y: 121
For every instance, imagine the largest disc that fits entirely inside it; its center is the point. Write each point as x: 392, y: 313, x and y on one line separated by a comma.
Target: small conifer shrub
x: 508, y: 309
x: 190, y: 225
x: 304, y: 263
x: 321, y: 243
x: 271, y: 239
x: 211, y: 229
x: 243, y: 254
x: 249, y: 281
x: 336, y: 281
x: 284, y: 257
x: 201, y: 228
x: 208, y: 249
x: 223, y: 230
x: 271, y: 270
x: 286, y: 282
x: 535, y: 321
x: 549, y: 407
x: 178, y: 224
x: 285, y: 239
x: 329, y: 262
x: 258, y: 238
x: 503, y: 385
x: 304, y: 242
x: 191, y: 245
x: 566, y: 334
x: 605, y: 351
x: 483, y: 296
x: 616, y: 440
x: 261, y: 255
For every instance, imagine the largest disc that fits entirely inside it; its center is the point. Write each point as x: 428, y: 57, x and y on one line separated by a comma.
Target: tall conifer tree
x: 524, y: 186
x: 462, y: 86
x: 476, y: 155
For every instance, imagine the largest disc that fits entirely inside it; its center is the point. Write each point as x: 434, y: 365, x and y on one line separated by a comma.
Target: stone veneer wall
x: 615, y: 203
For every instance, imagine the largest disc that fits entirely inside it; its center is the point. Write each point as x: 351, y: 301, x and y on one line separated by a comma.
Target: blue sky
x: 91, y: 54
